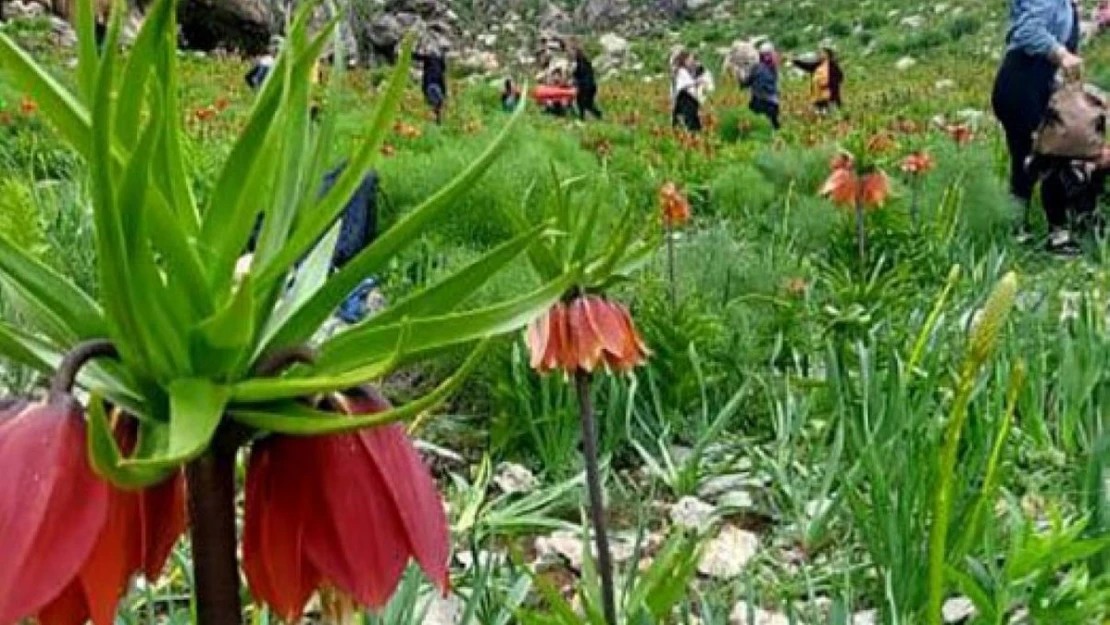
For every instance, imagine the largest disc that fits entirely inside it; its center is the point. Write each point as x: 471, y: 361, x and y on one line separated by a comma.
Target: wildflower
x: 72, y: 541
x: 222, y: 104
x: 28, y: 106
x: 5, y: 118
x: 796, y: 287
x: 881, y: 143
x: 205, y: 114
x: 960, y: 133
x: 583, y: 334
x: 388, y: 150
x: 340, y: 512
x: 675, y: 208
x: 406, y: 130
x: 845, y: 186
x: 918, y: 164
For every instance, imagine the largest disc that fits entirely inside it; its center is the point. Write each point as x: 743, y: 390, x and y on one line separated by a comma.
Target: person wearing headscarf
x: 763, y: 81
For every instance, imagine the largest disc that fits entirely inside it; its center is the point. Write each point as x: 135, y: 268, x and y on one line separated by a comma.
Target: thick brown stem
x: 66, y: 375
x: 211, y: 483
x: 597, y: 499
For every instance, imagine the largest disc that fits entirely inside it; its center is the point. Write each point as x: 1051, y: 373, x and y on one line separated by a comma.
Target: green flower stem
x: 670, y: 267
x: 597, y: 501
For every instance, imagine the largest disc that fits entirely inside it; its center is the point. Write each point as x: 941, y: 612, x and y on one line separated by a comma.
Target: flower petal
x: 52, y: 506
x: 116, y: 556
x: 281, y: 495
x: 69, y: 608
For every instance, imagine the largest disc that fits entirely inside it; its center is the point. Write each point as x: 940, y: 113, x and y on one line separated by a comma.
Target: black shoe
x: 1061, y: 243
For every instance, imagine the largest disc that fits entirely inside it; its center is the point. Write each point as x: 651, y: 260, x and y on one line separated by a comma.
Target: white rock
x: 514, y: 479
x: 565, y: 545
x: 488, y: 40
x: 744, y: 614
x: 945, y: 84
x: 867, y: 617
x: 726, y: 555
x: 720, y: 485
x: 736, y: 500
x: 905, y: 63
x: 913, y: 22
x: 958, y: 610
x: 693, y: 514
x: 614, y: 45
x: 443, y: 610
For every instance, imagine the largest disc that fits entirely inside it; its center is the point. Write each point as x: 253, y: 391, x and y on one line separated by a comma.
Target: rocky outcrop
x: 604, y: 13
x: 380, y: 34
x: 244, y: 25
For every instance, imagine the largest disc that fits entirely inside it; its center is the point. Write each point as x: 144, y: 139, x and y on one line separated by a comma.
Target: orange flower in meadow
x: 205, y: 114
x: 918, y: 164
x: 881, y: 143
x: 28, y: 106
x: 960, y: 133
x: 584, y: 334
x: 845, y: 186
x: 5, y: 118
x: 796, y: 287
x: 473, y: 127
x: 388, y: 149
x: 406, y: 130
x: 674, y: 206
x: 222, y: 104
x: 875, y: 187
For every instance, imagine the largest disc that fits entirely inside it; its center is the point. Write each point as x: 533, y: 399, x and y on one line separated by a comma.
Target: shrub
x: 963, y: 26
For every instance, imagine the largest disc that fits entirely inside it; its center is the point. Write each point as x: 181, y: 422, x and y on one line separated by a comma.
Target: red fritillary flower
x: 918, y: 164
x: 343, y: 513
x: 962, y: 134
x: 72, y: 542
x: 845, y: 186
x: 28, y: 106
x: 585, y: 334
x: 674, y: 206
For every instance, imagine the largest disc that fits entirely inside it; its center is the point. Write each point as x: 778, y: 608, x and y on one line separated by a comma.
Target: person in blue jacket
x: 764, y: 84
x: 1042, y: 41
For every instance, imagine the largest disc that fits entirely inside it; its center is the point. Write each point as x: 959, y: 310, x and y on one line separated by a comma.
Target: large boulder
x: 245, y: 25
x: 380, y: 33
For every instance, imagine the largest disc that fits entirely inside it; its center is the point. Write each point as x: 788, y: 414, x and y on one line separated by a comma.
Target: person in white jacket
x: 685, y: 87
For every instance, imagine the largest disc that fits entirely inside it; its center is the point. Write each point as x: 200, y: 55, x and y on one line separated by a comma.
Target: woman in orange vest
x: 827, y: 79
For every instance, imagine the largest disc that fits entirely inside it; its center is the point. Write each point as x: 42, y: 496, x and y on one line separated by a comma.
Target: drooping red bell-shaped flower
x: 345, y: 512
x: 585, y: 334
x: 52, y: 505
x: 77, y: 540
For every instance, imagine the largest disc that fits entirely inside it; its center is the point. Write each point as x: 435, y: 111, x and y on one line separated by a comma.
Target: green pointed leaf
x: 329, y: 208
x: 223, y: 341
x: 449, y: 294
x: 53, y: 293
x: 348, y: 350
x: 296, y: 419
x: 107, y: 458
x: 196, y: 409
x: 140, y: 63
x: 372, y: 259
x: 87, y: 56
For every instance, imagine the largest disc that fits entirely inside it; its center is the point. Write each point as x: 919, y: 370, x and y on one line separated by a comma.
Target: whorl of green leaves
x: 188, y: 333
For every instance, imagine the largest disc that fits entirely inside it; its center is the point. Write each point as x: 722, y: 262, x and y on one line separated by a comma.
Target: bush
x: 839, y: 28
x: 744, y: 125
x: 963, y: 26
x: 740, y: 191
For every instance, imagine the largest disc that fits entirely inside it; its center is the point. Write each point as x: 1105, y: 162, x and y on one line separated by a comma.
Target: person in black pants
x: 1043, y: 38
x: 686, y: 111
x: 434, y: 80
x: 586, y: 83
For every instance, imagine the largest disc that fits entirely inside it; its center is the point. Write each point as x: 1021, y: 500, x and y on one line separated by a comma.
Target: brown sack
x: 1074, y: 125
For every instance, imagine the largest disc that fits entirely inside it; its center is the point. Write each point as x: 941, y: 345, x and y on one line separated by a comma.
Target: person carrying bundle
x: 764, y: 84
x: 685, y: 89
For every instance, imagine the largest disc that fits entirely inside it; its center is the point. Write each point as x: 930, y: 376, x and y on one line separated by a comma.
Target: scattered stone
x: 715, y: 487
x: 726, y: 555
x: 738, y: 500
x: 913, y: 22
x: 62, y: 33
x: 442, y: 610
x: 905, y: 63
x: 514, y: 479
x: 867, y: 617
x: 945, y: 84
x: 19, y: 10
x: 566, y: 546
x: 488, y: 40
x: 614, y: 45
x: 693, y: 514
x: 958, y: 610
x: 745, y: 614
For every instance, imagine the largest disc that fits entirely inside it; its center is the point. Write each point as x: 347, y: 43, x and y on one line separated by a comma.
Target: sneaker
x: 1061, y: 243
